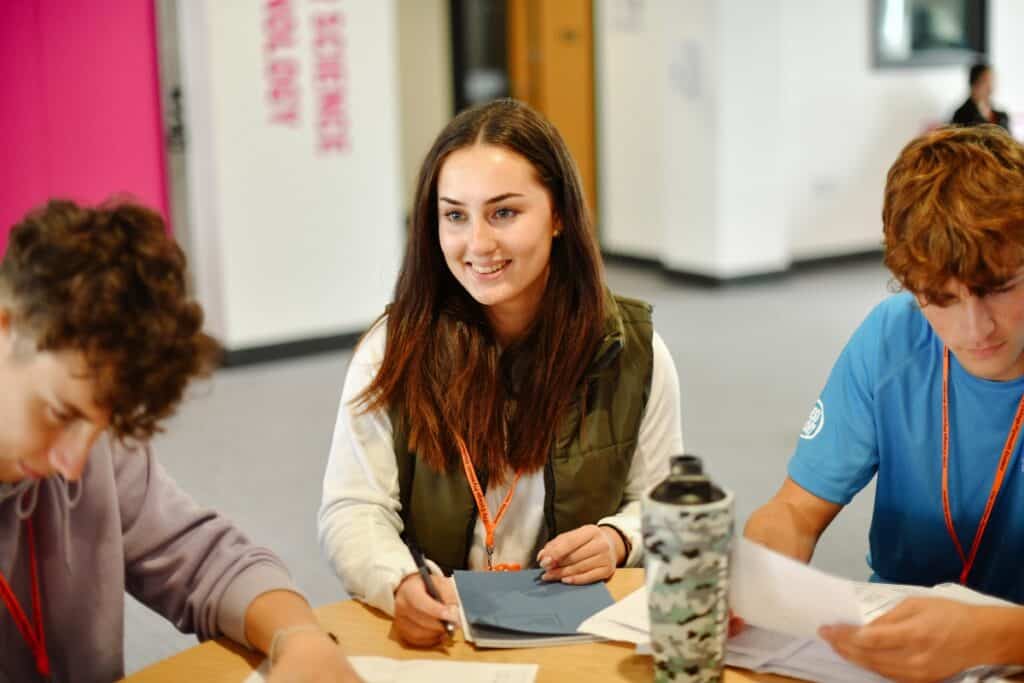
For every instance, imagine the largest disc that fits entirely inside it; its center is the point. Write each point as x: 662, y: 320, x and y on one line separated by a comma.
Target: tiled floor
x: 751, y: 359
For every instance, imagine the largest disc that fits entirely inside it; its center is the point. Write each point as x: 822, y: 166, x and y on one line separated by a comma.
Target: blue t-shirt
x: 881, y: 414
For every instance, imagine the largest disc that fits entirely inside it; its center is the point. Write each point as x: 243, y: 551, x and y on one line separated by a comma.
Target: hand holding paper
x: 926, y: 639
x: 776, y: 592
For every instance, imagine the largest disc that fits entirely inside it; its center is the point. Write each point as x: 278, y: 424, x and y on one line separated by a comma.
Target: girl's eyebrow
x: 492, y: 200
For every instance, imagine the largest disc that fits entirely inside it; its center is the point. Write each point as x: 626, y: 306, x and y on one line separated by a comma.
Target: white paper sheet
x: 773, y: 651
x: 386, y: 670
x: 768, y: 590
x: 878, y: 598
x: 626, y: 620
x: 778, y: 593
x: 754, y: 648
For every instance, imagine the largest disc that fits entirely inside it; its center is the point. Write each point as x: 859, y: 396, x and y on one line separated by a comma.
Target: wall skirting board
x: 252, y: 355
x: 705, y: 280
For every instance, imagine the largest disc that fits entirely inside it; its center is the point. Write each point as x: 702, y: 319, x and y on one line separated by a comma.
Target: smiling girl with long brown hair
x: 507, y: 410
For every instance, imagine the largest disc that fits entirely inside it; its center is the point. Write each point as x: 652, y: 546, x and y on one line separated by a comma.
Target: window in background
x: 929, y: 32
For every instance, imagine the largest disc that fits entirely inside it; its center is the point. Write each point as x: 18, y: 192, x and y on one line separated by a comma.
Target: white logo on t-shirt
x: 815, y: 421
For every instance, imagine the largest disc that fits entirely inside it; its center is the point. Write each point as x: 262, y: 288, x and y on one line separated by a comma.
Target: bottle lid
x: 687, y: 483
x: 686, y: 466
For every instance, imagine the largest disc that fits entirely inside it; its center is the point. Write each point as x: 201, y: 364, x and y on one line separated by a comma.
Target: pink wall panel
x: 23, y: 145
x: 81, y: 111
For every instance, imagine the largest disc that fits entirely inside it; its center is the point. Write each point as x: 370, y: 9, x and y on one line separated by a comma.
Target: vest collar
x: 612, y: 338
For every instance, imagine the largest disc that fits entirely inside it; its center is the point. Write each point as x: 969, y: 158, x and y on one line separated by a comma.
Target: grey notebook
x: 517, y: 609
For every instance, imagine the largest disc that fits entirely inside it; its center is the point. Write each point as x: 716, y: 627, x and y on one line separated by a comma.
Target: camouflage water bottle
x: 688, y: 527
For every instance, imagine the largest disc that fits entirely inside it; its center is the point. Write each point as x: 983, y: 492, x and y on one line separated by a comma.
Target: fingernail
x: 567, y: 579
x: 545, y: 563
x: 453, y: 615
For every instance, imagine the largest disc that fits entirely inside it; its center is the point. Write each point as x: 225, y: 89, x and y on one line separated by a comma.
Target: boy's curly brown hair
x: 110, y: 283
x: 954, y: 209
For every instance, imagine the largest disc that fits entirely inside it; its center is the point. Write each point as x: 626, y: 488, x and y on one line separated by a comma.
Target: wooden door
x: 551, y: 67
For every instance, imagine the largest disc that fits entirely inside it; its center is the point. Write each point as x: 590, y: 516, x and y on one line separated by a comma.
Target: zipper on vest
x: 549, y: 496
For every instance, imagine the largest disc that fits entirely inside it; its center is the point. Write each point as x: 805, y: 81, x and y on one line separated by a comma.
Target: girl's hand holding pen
x: 418, y: 617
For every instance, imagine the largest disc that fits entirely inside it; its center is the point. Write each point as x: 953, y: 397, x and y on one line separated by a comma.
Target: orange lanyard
x: 34, y: 637
x: 1004, y: 461
x: 485, y: 512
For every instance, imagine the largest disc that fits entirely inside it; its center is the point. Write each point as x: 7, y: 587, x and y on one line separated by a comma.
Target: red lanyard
x: 35, y: 638
x: 485, y: 512
x: 1004, y: 461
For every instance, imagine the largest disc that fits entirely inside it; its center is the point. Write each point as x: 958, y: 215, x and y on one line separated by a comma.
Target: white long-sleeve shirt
x: 360, y: 516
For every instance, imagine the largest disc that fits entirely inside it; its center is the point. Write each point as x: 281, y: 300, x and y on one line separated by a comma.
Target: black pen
x: 424, y: 570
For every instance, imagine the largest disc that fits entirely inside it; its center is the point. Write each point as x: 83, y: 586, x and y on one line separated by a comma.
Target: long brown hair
x: 442, y: 367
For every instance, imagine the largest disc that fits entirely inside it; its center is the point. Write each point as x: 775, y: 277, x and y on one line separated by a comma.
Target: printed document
x: 386, y: 670
x: 783, y: 602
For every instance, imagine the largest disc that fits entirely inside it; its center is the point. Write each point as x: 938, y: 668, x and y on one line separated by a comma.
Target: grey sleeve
x: 188, y: 563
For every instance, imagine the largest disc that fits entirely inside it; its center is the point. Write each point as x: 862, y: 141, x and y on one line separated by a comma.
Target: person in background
x: 98, y: 341
x: 928, y: 398
x: 507, y: 410
x: 979, y: 108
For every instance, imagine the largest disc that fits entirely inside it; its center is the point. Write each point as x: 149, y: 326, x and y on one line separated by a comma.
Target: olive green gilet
x: 585, y: 475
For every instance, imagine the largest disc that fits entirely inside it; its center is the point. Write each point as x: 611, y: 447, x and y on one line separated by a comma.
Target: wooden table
x: 366, y: 631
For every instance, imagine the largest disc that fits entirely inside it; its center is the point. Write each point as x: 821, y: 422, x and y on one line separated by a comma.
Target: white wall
x: 290, y: 241
x: 752, y: 234
x: 852, y: 120
x: 735, y: 136
x: 1007, y: 50
x: 629, y: 127
x: 687, y: 190
x: 687, y: 129
x: 425, y: 81
x: 846, y: 123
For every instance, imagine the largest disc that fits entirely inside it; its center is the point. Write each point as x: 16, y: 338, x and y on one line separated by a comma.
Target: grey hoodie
x: 132, y: 529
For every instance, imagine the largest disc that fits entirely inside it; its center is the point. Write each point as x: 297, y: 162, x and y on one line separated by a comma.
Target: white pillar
x: 293, y: 164
x: 689, y: 168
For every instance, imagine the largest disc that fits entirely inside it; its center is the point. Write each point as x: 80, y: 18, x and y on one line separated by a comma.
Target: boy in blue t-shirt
x: 928, y: 396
